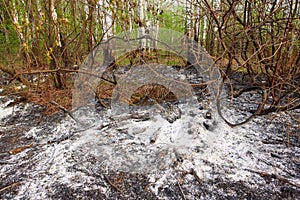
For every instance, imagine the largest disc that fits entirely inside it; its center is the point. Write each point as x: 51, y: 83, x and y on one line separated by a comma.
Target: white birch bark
x: 141, y: 16
x: 54, y: 19
x: 130, y: 14
x: 189, y: 18
x: 158, y: 7
x: 107, y: 22
x: 15, y: 19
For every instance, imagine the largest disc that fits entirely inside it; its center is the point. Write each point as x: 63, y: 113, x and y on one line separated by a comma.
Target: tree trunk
x: 141, y: 23
x: 107, y: 32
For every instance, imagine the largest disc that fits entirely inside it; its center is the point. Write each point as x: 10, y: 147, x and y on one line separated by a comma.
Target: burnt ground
x: 52, y: 157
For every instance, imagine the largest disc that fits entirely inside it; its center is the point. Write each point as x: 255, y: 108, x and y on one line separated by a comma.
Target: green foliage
x: 9, y: 41
x: 173, y: 21
x: 252, y: 35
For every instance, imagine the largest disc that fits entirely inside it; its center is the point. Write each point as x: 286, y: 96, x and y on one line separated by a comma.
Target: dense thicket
x: 257, y: 38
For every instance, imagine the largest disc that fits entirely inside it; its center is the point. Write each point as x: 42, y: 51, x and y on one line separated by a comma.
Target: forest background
x: 42, y: 40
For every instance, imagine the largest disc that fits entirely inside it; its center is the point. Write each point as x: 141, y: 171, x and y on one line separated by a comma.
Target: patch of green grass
x: 150, y: 56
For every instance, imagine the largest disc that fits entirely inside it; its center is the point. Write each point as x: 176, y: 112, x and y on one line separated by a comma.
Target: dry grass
x: 156, y: 92
x: 42, y: 94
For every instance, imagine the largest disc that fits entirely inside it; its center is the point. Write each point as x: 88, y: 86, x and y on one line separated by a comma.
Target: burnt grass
x: 121, y: 185
x: 126, y: 185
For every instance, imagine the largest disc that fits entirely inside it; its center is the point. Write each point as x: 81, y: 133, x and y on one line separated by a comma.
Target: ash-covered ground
x: 145, y: 154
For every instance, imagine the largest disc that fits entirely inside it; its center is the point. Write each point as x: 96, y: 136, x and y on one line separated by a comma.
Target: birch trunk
x: 141, y: 22
x: 107, y: 31
x: 189, y: 19
x: 158, y: 7
x: 21, y: 36
x: 130, y: 14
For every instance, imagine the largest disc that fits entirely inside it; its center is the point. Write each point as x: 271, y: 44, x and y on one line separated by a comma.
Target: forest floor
x: 143, y: 156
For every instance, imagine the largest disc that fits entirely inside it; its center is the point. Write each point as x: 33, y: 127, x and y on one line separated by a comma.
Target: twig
x: 9, y: 186
x: 67, y: 136
x: 280, y: 178
x: 225, y: 120
x: 19, y: 150
x: 60, y: 70
x: 62, y: 138
x: 102, y: 103
x: 183, y: 196
x: 64, y: 110
x: 112, y: 184
x: 196, y: 176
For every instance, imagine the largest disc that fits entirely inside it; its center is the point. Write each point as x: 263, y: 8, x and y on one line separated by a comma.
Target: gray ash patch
x: 69, y: 160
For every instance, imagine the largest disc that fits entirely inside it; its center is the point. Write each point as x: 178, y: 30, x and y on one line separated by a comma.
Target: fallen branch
x: 64, y: 110
x: 274, y: 176
x: 112, y: 184
x: 50, y: 71
x: 19, y: 150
